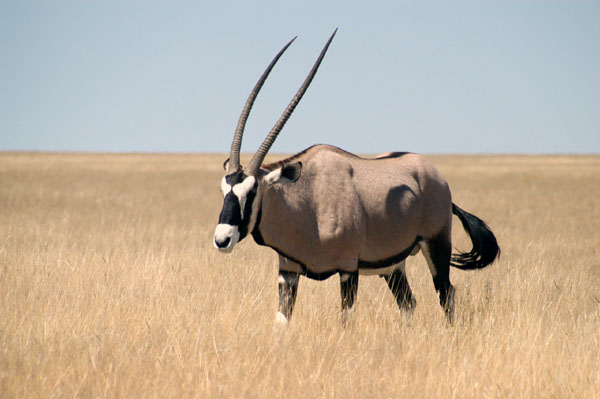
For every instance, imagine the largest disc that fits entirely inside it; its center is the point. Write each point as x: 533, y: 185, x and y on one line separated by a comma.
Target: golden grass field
x: 110, y: 287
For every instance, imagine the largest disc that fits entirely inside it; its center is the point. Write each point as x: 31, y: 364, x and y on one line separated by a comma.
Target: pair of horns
x: 259, y: 156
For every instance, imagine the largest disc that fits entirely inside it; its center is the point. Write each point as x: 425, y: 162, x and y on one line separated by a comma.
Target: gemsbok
x: 327, y: 211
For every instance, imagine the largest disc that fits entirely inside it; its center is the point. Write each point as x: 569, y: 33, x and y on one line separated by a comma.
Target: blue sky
x: 429, y: 77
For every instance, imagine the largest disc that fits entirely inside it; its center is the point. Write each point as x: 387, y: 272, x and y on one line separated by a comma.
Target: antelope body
x: 327, y: 211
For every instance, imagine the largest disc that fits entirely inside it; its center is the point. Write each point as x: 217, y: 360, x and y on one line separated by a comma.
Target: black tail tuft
x: 485, y: 247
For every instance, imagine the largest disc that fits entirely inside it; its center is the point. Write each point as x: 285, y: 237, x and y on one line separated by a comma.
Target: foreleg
x: 349, y: 289
x: 288, y: 289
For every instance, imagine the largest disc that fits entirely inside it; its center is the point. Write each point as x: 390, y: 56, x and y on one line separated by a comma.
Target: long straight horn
x: 234, y: 155
x: 260, y: 155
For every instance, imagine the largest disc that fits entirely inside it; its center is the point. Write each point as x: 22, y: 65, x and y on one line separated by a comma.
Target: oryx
x: 327, y: 211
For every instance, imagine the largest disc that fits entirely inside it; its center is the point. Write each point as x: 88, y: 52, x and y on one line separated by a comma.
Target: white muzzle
x: 226, y: 236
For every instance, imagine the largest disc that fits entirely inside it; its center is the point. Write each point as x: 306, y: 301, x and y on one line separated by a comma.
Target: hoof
x: 281, y: 321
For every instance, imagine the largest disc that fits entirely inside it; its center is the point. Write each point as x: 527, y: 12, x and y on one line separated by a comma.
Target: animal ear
x: 225, y: 164
x: 287, y: 173
x: 291, y: 171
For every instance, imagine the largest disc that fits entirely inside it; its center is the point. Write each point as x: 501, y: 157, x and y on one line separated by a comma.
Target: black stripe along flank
x: 363, y: 264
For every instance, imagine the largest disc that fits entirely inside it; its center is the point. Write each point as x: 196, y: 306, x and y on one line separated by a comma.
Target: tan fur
x: 344, y: 208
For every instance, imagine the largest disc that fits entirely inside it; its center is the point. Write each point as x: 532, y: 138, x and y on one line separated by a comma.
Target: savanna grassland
x: 110, y: 287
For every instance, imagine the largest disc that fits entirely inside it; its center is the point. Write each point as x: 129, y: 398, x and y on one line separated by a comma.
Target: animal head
x: 242, y: 187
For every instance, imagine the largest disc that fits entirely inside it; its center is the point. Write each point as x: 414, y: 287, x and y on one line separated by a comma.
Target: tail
x: 485, y: 247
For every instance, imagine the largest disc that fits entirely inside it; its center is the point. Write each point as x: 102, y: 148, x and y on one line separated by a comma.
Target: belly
x: 379, y: 271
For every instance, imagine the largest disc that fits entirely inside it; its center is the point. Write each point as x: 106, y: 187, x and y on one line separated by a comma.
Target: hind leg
x: 398, y: 284
x: 437, y: 252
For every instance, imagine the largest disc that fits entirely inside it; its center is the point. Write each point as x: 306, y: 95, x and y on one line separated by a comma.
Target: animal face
x: 237, y: 217
x: 241, y: 201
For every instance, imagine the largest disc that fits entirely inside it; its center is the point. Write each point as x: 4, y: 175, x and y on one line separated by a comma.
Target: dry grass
x: 109, y: 287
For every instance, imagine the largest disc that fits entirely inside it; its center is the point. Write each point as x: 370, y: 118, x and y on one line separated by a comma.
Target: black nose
x: 224, y: 243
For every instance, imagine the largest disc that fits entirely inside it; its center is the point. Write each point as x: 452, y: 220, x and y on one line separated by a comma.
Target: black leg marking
x: 288, y: 289
x: 446, y: 292
x: 401, y: 290
x: 437, y: 251
x: 349, y: 288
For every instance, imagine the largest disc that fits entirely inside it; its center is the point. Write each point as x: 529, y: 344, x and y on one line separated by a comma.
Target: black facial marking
x: 243, y: 227
x: 235, y: 178
x: 232, y: 213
